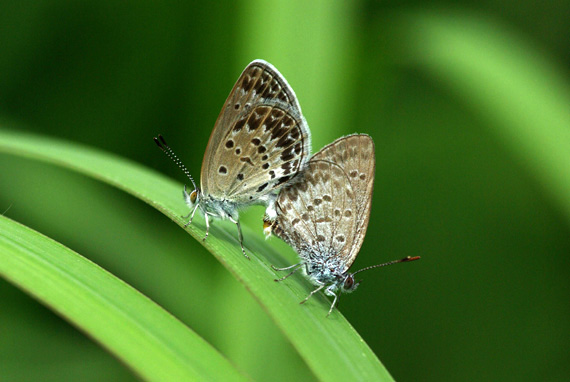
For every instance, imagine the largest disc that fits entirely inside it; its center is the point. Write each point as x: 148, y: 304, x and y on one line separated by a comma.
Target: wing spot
x: 327, y: 198
x: 247, y: 83
x: 320, y: 238
x: 223, y: 170
x: 240, y: 176
x: 353, y: 174
x: 261, y: 149
x: 262, y: 187
x: 278, y: 132
x: 317, y: 201
x: 238, y: 151
x: 285, y: 141
x: 295, y: 221
x: 337, y: 212
x: 286, y: 167
x: 310, y: 208
x: 256, y: 141
x: 347, y: 213
x: 256, y: 118
x: 298, y: 148
x: 236, y: 106
x: 293, y: 196
x: 265, y: 166
x: 295, y: 133
x: 229, y: 144
x: 265, y: 157
x: 362, y: 176
x: 295, y: 164
x: 282, y: 180
x: 287, y: 154
x: 305, y: 217
x: 340, y: 238
x: 271, y: 173
x: 239, y: 125
x: 246, y: 160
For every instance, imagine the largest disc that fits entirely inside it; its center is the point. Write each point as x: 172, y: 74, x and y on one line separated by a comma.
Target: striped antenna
x: 405, y: 259
x: 168, y: 151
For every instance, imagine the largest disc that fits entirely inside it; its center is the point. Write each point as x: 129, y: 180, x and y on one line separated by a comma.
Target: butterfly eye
x: 193, y: 196
x: 349, y: 282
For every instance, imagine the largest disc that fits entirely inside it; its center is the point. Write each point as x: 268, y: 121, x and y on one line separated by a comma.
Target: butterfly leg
x: 240, y: 235
x: 191, y: 215
x: 295, y: 266
x: 312, y: 293
x: 207, y: 225
x: 329, y: 292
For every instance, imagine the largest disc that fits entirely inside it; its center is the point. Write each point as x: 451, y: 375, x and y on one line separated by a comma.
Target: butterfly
x: 325, y: 214
x: 259, y: 143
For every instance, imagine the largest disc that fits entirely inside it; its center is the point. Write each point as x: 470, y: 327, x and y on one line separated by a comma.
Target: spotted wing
x: 260, y: 140
x: 355, y: 154
x: 315, y: 215
x: 326, y: 214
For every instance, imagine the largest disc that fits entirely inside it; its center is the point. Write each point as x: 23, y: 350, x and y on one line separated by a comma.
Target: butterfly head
x: 348, y: 284
x: 192, y: 198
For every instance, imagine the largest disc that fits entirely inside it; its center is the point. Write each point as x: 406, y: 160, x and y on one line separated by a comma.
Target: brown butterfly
x: 259, y: 143
x: 324, y: 216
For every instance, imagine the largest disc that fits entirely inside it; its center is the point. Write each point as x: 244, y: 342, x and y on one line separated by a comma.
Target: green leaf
x: 147, y: 338
x: 330, y: 346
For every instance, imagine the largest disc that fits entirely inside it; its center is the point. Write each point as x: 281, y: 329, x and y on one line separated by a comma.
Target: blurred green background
x: 469, y: 107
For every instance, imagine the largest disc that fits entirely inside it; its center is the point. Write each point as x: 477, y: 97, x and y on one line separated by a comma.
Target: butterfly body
x: 216, y: 208
x: 224, y: 209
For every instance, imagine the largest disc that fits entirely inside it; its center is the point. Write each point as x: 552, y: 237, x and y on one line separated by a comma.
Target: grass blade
x: 143, y: 335
x: 331, y: 347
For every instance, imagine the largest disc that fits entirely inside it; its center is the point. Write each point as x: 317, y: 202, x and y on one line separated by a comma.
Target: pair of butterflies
x: 259, y: 153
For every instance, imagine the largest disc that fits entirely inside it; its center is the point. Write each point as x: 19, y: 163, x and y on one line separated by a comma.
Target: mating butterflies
x: 324, y: 216
x: 259, y: 143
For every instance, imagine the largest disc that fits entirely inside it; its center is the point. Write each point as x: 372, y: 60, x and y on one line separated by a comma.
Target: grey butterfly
x: 259, y: 143
x: 324, y: 215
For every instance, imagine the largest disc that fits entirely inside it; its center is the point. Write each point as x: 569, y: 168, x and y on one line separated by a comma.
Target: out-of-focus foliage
x: 467, y: 104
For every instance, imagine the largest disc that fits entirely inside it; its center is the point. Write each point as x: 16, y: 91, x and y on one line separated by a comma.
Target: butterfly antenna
x: 405, y: 259
x: 160, y: 142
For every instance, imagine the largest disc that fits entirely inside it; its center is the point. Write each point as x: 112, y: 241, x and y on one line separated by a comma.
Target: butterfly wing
x: 355, y: 155
x: 314, y: 215
x: 327, y: 213
x: 260, y: 140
